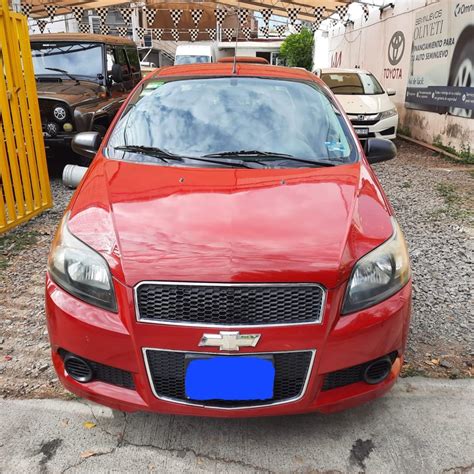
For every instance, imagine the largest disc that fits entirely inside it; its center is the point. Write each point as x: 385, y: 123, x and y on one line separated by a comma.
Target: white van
x: 194, y: 53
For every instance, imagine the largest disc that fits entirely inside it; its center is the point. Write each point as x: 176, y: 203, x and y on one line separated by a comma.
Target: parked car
x: 194, y: 53
x: 82, y: 80
x: 364, y: 100
x: 229, y: 252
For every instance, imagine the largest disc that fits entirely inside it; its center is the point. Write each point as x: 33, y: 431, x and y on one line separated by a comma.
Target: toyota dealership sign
x: 442, y: 59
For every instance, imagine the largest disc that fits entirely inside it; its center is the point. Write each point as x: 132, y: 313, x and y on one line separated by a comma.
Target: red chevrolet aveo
x: 229, y: 252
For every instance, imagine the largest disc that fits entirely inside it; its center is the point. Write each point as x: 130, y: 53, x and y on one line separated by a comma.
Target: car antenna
x: 234, y: 66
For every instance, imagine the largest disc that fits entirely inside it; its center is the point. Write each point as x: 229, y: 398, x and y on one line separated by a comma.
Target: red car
x: 229, y: 252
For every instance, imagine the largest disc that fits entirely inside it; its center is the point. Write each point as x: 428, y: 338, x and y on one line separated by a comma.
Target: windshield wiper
x: 166, y: 155
x: 247, y: 153
x: 270, y: 155
x: 149, y: 150
x: 63, y: 72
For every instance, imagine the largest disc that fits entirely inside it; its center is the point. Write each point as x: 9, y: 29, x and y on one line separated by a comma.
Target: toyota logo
x: 396, y: 48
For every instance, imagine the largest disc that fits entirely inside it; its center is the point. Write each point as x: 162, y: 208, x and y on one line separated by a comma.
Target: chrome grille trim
x: 191, y: 324
x: 200, y: 405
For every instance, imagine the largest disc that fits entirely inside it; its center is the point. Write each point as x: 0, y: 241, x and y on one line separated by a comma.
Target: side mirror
x: 86, y: 144
x: 117, y: 73
x: 380, y: 149
x: 391, y: 92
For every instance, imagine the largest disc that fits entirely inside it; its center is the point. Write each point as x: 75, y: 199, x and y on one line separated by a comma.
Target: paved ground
x: 422, y: 426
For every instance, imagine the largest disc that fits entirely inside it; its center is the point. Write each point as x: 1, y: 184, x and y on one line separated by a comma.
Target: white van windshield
x: 188, y: 59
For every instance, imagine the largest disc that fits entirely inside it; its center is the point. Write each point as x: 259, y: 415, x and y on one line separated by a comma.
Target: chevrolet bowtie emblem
x: 229, y: 340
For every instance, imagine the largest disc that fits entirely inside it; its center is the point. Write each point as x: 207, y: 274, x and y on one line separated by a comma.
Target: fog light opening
x: 78, y: 368
x: 377, y: 371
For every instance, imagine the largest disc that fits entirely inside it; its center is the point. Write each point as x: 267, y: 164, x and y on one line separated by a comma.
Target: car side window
x: 120, y: 56
x: 110, y: 63
x: 134, y: 61
x: 117, y: 56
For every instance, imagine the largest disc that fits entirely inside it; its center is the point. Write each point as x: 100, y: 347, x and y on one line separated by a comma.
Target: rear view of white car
x: 364, y: 100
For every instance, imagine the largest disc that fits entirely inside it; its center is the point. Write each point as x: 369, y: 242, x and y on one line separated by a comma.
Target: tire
x: 461, y: 73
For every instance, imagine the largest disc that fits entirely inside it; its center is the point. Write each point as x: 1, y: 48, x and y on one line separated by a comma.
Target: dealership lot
x: 434, y: 202
x: 268, y: 263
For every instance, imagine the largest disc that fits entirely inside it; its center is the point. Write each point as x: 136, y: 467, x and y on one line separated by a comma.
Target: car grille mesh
x: 167, y: 372
x: 229, y: 305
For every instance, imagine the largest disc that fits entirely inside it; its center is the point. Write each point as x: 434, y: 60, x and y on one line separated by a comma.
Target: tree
x: 297, y: 49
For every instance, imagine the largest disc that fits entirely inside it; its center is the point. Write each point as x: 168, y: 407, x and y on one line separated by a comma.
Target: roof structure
x: 305, y: 9
x: 88, y: 38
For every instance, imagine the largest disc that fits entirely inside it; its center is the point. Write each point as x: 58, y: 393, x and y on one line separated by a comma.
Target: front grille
x: 370, y: 119
x: 167, y: 370
x: 228, y: 305
x: 106, y: 373
x: 341, y: 378
x: 362, y: 123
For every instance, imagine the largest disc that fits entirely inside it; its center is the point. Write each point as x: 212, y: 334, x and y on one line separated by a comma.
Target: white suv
x: 364, y: 100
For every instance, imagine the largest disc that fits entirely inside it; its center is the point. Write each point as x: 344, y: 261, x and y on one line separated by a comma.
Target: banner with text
x: 442, y: 59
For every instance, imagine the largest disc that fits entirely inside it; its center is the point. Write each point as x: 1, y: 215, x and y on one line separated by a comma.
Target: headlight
x: 79, y: 270
x: 60, y: 113
x: 379, y: 274
x: 388, y: 113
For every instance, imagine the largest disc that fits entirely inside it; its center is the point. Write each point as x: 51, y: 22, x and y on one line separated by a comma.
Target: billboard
x: 441, y: 75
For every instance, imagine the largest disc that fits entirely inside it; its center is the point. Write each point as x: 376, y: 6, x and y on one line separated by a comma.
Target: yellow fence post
x: 24, y: 182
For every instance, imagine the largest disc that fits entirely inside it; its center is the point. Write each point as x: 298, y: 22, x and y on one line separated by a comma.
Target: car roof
x: 241, y: 69
x: 343, y: 70
x: 82, y: 38
x: 243, y: 59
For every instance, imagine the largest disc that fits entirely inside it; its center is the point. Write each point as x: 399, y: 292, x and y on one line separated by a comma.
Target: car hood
x: 230, y: 225
x: 68, y: 91
x: 364, y: 104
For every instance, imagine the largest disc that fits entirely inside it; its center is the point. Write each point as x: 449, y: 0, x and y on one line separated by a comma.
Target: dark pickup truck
x: 82, y: 81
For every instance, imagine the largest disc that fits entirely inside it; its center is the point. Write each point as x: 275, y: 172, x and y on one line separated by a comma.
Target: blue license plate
x: 229, y: 378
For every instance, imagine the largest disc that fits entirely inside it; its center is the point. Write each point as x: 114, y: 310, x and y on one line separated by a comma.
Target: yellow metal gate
x: 24, y: 181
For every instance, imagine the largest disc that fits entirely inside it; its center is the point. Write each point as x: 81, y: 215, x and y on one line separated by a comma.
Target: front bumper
x: 59, y: 142
x: 386, y: 128
x: 118, y: 340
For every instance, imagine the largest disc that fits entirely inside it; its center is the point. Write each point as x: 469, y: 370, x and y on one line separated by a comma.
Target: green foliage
x: 403, y: 130
x: 465, y: 153
x: 297, y: 49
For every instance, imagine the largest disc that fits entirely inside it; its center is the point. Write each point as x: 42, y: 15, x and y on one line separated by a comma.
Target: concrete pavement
x: 422, y: 426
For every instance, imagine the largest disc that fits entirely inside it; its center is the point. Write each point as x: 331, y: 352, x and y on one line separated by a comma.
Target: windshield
x: 198, y: 117
x: 181, y: 59
x: 78, y: 59
x: 352, y: 83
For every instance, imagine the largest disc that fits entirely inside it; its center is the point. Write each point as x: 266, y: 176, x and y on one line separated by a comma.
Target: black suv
x: 82, y: 80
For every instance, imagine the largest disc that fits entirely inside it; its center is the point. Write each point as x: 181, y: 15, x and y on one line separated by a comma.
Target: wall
x: 366, y: 45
